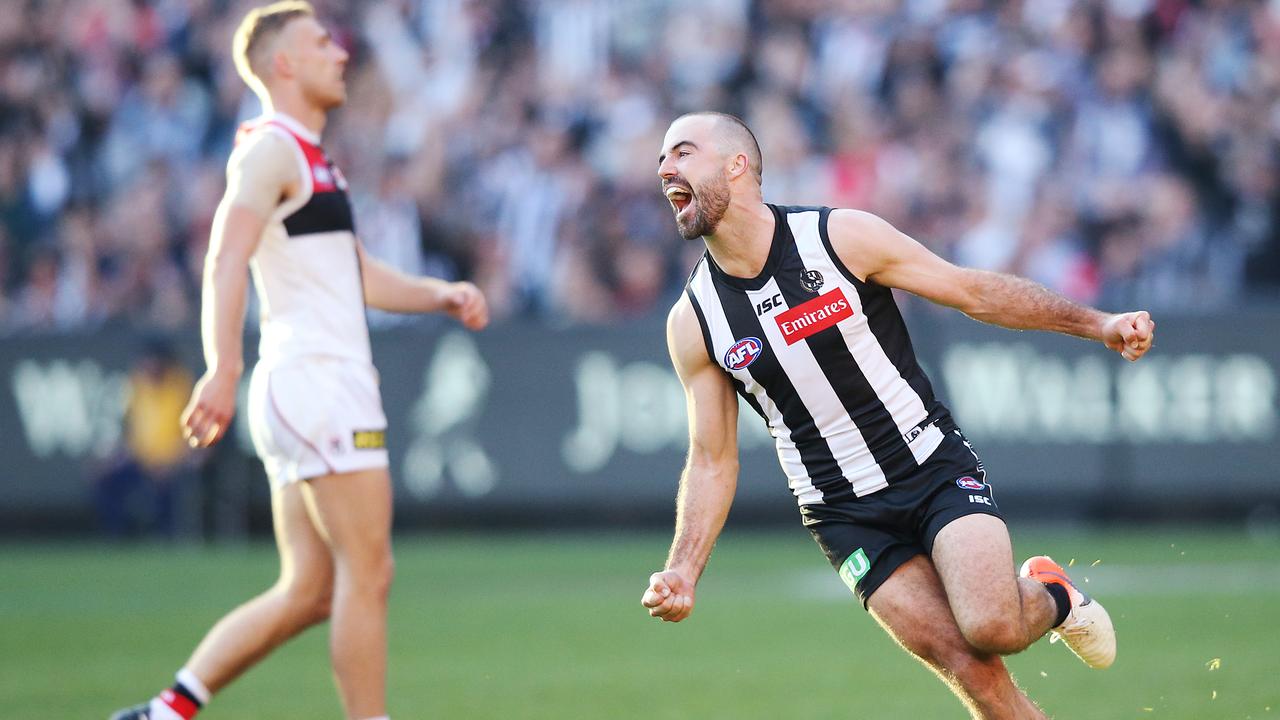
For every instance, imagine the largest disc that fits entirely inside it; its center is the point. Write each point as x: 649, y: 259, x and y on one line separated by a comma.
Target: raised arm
x: 260, y: 173
x: 710, y: 474
x: 877, y: 252
x: 386, y: 288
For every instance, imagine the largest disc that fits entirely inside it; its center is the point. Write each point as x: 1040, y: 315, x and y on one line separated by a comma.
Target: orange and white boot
x: 1087, y: 631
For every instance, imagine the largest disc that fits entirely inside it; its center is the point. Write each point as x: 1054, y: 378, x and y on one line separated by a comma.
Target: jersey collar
x: 295, y: 127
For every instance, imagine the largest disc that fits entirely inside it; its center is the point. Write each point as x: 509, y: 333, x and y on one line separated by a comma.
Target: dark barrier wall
x: 530, y: 425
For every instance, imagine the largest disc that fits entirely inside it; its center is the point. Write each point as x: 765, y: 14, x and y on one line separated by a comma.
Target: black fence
x: 523, y: 425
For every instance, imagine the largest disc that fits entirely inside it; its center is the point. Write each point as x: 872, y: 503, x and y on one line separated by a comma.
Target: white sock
x: 192, y: 683
x: 380, y: 717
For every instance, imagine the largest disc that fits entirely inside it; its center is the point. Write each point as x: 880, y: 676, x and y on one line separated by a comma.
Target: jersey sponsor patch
x: 743, y: 353
x: 971, y: 483
x: 813, y: 316
x: 369, y: 439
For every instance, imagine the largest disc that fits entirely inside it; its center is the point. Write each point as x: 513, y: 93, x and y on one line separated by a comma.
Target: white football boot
x: 1087, y: 631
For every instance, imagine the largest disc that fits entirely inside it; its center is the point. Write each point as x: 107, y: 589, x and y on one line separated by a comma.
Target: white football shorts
x: 316, y: 416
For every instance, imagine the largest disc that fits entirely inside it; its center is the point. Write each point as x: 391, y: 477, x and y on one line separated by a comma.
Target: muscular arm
x: 386, y: 288
x: 710, y: 475
x: 260, y: 173
x: 876, y: 251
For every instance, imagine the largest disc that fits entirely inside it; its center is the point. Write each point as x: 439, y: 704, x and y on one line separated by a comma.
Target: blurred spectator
x: 1124, y: 152
x: 140, y: 489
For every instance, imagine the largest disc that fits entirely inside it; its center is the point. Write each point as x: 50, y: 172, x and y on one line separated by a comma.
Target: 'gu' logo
x: 743, y: 353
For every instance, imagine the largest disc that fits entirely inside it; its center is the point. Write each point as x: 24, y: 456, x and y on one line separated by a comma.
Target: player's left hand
x: 669, y: 596
x: 465, y: 303
x: 1129, y: 334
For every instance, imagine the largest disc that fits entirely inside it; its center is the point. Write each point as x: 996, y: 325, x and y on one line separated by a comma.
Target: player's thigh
x: 353, y: 512
x: 913, y: 608
x: 974, y: 559
x: 306, y: 565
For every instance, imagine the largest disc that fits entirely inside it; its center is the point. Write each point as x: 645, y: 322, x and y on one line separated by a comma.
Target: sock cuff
x: 1061, y: 600
x: 188, y: 680
x: 380, y: 717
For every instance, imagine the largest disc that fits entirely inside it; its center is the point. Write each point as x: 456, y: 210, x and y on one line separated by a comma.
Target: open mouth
x: 679, y: 197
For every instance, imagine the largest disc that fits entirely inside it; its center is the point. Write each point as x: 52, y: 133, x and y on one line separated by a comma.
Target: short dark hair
x: 736, y: 137
x: 258, y: 26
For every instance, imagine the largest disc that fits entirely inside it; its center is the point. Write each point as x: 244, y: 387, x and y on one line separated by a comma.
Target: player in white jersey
x: 792, y: 308
x: 314, y: 407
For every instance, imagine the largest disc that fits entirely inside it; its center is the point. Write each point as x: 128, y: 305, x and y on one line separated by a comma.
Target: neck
x: 291, y: 102
x: 741, y: 242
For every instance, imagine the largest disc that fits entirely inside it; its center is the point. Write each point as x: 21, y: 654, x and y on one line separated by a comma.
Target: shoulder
x: 863, y: 241
x: 685, y: 341
x: 681, y: 317
x: 264, y: 163
x: 850, y: 225
x: 261, y: 144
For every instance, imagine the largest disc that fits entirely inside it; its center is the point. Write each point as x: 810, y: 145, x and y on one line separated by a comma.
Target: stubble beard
x: 711, y: 205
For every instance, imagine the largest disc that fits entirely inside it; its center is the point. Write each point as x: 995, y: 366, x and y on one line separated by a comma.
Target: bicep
x: 260, y: 174
x: 713, y: 416
x: 237, y: 229
x: 882, y: 254
x: 710, y: 400
x: 261, y: 171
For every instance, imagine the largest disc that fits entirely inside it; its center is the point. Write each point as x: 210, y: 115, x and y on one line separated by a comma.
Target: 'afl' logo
x: 322, y: 175
x: 743, y: 353
x: 968, y: 483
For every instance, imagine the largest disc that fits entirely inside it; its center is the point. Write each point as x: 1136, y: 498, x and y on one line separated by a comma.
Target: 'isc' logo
x: 743, y: 353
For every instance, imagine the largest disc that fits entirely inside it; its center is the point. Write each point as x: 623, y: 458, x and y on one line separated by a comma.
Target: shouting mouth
x: 679, y: 197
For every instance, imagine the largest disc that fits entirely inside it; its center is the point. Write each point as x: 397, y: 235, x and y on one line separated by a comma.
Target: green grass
x: 549, y: 626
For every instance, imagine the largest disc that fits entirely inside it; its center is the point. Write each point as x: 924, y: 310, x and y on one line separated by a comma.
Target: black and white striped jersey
x: 825, y: 359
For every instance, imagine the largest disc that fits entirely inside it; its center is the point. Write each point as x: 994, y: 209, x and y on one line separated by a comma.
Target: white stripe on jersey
x: 902, y: 402
x: 722, y: 336
x: 828, y: 412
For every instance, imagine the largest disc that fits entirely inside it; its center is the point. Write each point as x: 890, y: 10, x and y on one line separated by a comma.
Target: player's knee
x: 310, y: 598
x: 386, y: 574
x: 320, y: 606
x: 996, y: 635
x: 376, y: 574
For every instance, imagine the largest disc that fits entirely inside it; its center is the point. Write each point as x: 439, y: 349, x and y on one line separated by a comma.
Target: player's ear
x: 280, y: 64
x: 738, y: 165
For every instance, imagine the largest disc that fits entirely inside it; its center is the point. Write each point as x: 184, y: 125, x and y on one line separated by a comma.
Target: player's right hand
x: 209, y: 412
x: 669, y: 596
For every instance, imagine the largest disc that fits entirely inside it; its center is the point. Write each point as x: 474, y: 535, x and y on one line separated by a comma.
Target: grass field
x: 549, y: 626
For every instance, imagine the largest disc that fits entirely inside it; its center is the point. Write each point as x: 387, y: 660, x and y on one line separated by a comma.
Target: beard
x: 710, y: 201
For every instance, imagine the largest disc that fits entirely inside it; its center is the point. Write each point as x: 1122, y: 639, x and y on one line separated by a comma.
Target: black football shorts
x: 867, y: 538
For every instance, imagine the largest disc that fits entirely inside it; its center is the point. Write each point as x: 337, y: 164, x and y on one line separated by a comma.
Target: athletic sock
x: 191, y: 684
x: 1062, y: 599
x: 169, y: 705
x: 182, y: 701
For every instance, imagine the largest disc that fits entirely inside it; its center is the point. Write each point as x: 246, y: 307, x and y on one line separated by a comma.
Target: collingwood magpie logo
x: 812, y: 280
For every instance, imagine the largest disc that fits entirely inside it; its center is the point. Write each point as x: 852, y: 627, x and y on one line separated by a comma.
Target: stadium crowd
x: 1123, y: 152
